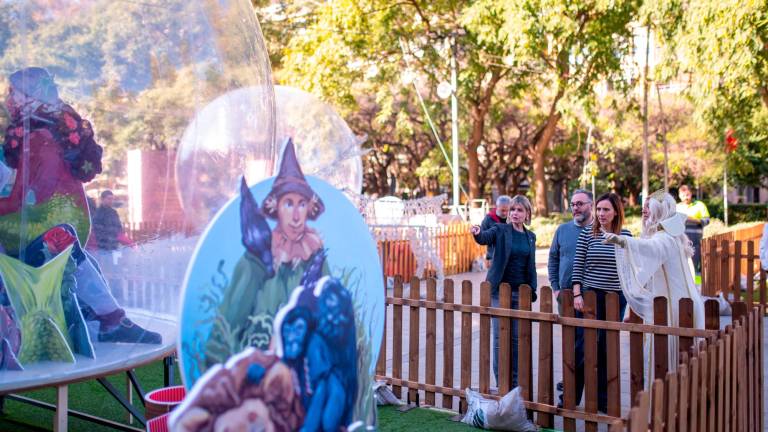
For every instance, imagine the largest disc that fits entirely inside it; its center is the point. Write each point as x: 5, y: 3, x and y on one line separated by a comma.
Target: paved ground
x: 476, y: 278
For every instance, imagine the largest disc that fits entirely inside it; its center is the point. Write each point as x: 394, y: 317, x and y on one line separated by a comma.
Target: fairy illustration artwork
x: 50, y: 285
x: 281, y: 329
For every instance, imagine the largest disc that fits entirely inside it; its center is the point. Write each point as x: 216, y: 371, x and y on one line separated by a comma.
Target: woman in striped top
x: 594, y: 269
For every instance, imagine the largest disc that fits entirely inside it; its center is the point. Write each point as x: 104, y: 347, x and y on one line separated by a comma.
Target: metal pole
x: 589, y: 156
x: 455, y: 127
x: 725, y: 195
x: 664, y: 140
x: 645, y: 112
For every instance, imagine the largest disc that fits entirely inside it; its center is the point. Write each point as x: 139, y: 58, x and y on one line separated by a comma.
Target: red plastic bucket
x: 158, y: 424
x: 163, y: 400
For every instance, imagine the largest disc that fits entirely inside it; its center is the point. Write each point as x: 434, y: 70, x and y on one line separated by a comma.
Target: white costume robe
x: 653, y: 267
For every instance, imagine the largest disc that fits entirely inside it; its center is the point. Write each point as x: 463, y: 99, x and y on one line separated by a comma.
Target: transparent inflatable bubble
x: 230, y: 137
x: 98, y: 98
x: 325, y: 144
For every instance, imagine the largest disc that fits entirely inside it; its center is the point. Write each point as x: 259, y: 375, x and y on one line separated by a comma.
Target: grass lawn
x: 91, y: 398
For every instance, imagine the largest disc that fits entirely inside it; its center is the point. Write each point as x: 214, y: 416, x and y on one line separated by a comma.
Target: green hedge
x: 737, y: 213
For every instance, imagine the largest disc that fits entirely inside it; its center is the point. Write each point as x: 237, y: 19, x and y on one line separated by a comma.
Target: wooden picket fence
x: 731, y: 266
x: 466, y: 360
x: 452, y: 243
x: 718, y: 387
x: 142, y: 232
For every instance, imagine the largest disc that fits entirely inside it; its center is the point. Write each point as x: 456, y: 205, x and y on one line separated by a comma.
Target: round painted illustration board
x: 284, y: 296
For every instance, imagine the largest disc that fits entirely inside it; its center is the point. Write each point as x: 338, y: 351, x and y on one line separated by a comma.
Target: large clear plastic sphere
x: 95, y: 239
x: 325, y: 145
x: 228, y: 138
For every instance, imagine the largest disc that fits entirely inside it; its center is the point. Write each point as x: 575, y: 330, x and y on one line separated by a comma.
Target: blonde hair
x: 662, y: 206
x: 523, y: 202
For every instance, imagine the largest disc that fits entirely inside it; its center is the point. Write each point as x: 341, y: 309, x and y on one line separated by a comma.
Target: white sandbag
x: 384, y: 395
x: 507, y: 414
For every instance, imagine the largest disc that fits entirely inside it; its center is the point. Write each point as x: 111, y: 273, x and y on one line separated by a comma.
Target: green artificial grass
x: 391, y: 419
x: 90, y: 397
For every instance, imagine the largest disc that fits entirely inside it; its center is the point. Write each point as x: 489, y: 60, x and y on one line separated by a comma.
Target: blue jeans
x: 513, y: 339
x: 602, y: 350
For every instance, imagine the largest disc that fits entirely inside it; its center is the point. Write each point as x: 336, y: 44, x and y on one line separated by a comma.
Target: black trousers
x: 602, y: 350
x: 695, y: 238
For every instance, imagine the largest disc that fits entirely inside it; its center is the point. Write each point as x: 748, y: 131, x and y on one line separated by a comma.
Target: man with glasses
x: 563, y: 248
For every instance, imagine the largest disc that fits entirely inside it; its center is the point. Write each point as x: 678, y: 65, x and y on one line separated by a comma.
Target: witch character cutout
x: 273, y: 263
x: 298, y: 365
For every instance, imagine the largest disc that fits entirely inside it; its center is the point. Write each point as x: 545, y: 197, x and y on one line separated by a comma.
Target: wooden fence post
x: 485, y: 340
x: 693, y: 388
x: 636, y: 358
x: 466, y: 342
x: 671, y: 396
x: 545, y: 384
x: 431, y: 360
x: 657, y: 409
x: 590, y: 359
x: 686, y: 321
x: 413, y: 345
x: 397, y: 336
x: 569, y: 360
x: 660, y: 343
x: 448, y: 342
x: 525, y: 344
x: 505, y: 338
x: 751, y: 261
x: 724, y: 268
x: 612, y: 313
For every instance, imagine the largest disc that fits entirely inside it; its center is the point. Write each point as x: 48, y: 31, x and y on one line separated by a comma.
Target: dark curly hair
x: 73, y: 134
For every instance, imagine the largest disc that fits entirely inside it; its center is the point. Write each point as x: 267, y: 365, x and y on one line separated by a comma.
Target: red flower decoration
x: 70, y: 121
x: 18, y: 131
x: 57, y: 239
x: 731, y: 142
x: 74, y: 138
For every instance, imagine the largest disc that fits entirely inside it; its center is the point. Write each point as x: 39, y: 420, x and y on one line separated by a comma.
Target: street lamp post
x: 645, y: 113
x: 455, y: 127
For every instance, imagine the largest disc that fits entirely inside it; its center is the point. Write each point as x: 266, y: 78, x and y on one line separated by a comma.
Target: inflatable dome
x: 326, y: 146
x: 97, y: 226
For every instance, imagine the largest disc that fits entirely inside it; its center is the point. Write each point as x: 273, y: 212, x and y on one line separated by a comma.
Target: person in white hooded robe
x: 658, y: 263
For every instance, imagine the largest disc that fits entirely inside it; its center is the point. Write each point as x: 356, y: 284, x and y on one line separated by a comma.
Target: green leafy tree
x: 349, y: 47
x: 574, y: 45
x: 723, y: 47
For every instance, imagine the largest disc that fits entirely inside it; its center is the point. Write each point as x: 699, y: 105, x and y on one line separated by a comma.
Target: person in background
x: 495, y: 216
x: 91, y: 245
x: 698, y: 218
x: 563, y: 248
x: 514, y: 262
x: 107, y: 226
x: 594, y: 269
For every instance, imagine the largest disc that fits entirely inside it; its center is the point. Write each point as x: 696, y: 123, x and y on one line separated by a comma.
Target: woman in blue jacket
x: 514, y: 262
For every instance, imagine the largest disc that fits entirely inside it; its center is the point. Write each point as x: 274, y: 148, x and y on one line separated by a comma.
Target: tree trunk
x: 540, y: 148
x: 475, y: 138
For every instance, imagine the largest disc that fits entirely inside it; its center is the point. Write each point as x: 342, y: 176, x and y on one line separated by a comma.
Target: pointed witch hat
x: 289, y: 179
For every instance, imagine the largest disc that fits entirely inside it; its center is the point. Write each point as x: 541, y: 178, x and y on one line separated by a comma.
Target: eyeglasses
x: 580, y: 204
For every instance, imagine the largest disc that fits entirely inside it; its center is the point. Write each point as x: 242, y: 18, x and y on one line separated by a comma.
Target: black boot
x: 129, y: 332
